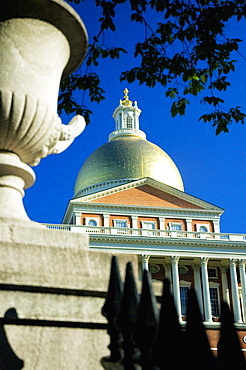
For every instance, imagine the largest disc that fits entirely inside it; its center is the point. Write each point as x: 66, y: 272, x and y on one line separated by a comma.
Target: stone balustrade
x: 149, y: 233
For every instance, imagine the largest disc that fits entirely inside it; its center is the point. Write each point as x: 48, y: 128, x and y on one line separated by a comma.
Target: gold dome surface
x: 128, y: 158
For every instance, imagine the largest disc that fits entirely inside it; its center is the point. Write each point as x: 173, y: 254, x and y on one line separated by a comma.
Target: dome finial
x: 126, y: 102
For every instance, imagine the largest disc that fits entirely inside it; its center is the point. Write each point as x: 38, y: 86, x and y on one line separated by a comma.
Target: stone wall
x: 52, y: 289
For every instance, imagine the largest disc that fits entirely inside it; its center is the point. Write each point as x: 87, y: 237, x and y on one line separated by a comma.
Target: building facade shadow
x: 8, y: 359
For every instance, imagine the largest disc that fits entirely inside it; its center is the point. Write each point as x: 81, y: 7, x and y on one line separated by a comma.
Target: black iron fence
x: 143, y: 336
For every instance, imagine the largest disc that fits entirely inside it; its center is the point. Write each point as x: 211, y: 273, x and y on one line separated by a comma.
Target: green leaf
x: 171, y: 93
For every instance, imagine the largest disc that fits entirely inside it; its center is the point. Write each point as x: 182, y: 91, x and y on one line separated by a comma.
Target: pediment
x: 150, y: 193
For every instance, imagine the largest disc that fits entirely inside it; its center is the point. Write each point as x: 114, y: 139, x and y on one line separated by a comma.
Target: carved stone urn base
x: 15, y: 176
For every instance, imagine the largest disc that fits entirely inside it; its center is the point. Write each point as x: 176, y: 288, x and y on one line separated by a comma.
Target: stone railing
x: 146, y: 233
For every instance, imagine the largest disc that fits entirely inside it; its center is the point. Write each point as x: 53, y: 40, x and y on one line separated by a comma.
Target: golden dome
x: 127, y: 158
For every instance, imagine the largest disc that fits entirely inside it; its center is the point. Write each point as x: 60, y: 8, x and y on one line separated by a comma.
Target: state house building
x: 129, y: 196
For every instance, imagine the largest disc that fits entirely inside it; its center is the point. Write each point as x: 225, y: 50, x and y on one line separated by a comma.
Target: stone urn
x: 40, y: 42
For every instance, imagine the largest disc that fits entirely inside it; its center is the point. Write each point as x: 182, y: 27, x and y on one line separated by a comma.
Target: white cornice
x: 154, y: 246
x: 116, y: 209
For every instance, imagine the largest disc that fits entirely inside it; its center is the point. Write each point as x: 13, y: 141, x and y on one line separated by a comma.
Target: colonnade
x: 201, y: 284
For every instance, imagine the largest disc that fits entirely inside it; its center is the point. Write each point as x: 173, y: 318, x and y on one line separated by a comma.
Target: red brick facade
x: 145, y: 196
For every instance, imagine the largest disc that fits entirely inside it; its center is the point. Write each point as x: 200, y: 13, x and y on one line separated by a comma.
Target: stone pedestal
x: 52, y: 288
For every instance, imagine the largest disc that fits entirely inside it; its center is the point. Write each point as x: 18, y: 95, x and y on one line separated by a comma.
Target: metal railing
x: 142, y: 336
x: 155, y: 233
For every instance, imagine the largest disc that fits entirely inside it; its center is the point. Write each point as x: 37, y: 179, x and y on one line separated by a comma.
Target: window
x: 149, y: 225
x: 175, y: 226
x: 214, y: 300
x: 212, y: 272
x: 120, y: 223
x: 121, y: 226
x: 183, y: 299
x: 203, y: 229
x: 92, y: 221
x: 129, y: 122
x: 240, y: 293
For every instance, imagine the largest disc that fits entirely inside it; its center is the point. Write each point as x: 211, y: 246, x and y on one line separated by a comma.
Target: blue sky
x: 213, y: 167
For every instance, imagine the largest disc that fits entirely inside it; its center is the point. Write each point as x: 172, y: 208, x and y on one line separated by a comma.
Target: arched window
x: 92, y: 223
x: 203, y: 229
x: 129, y: 122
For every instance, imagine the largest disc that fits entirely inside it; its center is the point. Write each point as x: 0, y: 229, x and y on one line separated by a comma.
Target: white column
x: 77, y: 218
x: 106, y: 222
x: 224, y: 282
x: 234, y: 291
x: 162, y: 226
x: 243, y: 284
x: 197, y: 283
x: 189, y: 224
x: 168, y: 271
x: 189, y: 227
x: 176, y: 290
x: 162, y: 223
x: 216, y: 226
x: 205, y: 286
x: 134, y: 224
x: 145, y: 261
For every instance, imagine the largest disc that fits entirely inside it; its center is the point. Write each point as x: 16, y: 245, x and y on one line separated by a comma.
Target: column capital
x: 242, y: 262
x: 145, y: 257
x: 196, y: 266
x: 175, y: 259
x: 233, y: 262
x: 167, y: 265
x: 223, y: 268
x: 204, y: 260
x: 188, y: 220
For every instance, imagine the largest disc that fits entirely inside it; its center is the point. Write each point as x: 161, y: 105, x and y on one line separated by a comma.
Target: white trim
x: 181, y: 213
x: 184, y: 283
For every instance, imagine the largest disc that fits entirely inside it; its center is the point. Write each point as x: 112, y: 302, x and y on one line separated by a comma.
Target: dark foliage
x: 187, y: 53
